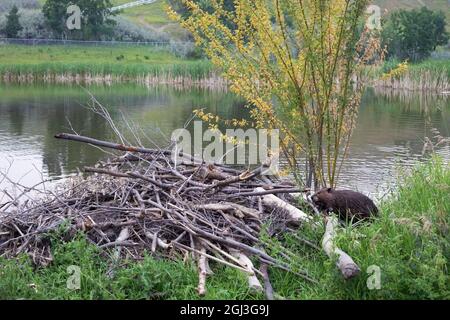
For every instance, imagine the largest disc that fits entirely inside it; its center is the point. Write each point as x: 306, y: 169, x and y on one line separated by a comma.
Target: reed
x: 62, y: 64
x: 430, y: 75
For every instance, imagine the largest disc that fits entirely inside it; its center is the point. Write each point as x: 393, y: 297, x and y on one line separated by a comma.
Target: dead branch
x: 141, y: 202
x: 345, y: 263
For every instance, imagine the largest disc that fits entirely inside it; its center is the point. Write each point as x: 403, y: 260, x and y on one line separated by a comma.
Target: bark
x: 345, y: 263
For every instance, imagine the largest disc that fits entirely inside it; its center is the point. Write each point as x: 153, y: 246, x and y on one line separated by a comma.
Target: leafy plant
x: 13, y: 26
x: 414, y: 34
x: 293, y: 61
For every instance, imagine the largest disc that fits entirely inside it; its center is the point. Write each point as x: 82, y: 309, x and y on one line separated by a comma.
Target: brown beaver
x: 348, y: 204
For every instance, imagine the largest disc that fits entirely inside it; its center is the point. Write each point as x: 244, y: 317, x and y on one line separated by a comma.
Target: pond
x: 389, y: 135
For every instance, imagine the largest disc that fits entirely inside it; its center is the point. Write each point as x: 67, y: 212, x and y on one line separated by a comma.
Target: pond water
x: 390, y: 132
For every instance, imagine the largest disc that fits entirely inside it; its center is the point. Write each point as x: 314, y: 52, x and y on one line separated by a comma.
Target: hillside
x: 390, y: 5
x: 153, y: 16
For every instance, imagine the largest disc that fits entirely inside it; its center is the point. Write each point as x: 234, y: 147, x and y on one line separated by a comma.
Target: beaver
x: 348, y: 204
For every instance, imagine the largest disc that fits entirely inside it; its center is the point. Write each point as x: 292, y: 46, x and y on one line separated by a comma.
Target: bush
x: 185, y: 50
x: 125, y: 30
x: 33, y: 25
x: 6, y: 5
x: 414, y: 34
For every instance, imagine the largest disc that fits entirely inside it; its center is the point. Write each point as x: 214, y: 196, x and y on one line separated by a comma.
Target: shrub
x: 7, y: 5
x: 33, y: 25
x: 414, y: 34
x: 125, y: 30
x: 185, y: 49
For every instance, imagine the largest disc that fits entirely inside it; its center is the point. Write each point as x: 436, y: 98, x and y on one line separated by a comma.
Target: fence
x: 132, y: 4
x: 37, y: 42
x: 441, y: 55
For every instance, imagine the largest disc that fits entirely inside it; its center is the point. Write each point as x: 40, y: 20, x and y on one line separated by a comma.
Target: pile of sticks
x: 142, y: 201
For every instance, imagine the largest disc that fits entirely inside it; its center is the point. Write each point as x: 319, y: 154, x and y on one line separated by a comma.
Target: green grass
x: 153, y: 13
x: 429, y: 75
x: 409, y: 242
x: 433, y: 66
x: 130, y: 61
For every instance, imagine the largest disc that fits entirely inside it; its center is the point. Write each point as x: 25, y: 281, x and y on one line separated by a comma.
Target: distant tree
x: 179, y: 6
x: 97, y: 18
x: 96, y: 23
x: 55, y: 12
x: 13, y: 26
x: 414, y: 34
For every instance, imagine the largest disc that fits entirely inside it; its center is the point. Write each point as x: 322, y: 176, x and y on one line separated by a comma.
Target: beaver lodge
x: 140, y: 201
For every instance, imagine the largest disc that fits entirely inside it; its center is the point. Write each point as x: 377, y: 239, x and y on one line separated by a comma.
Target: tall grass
x: 429, y: 75
x: 409, y: 242
x: 77, y: 63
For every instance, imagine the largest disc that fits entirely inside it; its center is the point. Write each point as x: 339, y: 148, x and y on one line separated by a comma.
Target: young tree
x: 293, y: 61
x: 414, y: 34
x: 13, y: 26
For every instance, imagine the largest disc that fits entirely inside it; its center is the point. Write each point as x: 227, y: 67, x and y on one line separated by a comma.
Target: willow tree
x: 295, y: 62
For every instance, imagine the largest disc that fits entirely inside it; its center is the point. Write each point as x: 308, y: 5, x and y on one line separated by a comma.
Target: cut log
x: 123, y: 236
x: 158, y: 241
x: 202, y: 272
x: 345, y: 263
x: 273, y: 201
x: 253, y: 281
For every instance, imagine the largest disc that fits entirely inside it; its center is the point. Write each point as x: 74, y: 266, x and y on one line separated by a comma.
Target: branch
x: 274, y: 202
x: 345, y: 263
x: 253, y: 281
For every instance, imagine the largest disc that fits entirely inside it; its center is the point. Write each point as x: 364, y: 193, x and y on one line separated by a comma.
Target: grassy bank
x: 98, y: 64
x: 409, y: 242
x: 429, y: 75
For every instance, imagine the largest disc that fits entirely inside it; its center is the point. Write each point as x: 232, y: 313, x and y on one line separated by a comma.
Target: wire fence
x: 37, y: 42
x: 132, y: 4
x: 441, y: 55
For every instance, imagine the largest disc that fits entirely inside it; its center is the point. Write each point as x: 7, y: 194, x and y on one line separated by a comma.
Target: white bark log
x: 253, y: 281
x: 273, y: 201
x: 202, y: 272
x: 160, y: 242
x: 345, y: 263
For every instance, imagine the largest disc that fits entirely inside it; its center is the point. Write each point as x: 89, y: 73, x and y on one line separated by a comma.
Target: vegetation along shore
x: 141, y: 217
x: 414, y: 218
x: 101, y: 64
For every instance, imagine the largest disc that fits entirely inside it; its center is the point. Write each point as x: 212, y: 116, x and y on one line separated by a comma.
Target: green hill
x: 154, y: 14
x: 436, y: 5
x: 146, y: 14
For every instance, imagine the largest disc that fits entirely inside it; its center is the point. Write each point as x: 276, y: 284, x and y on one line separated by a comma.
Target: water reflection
x: 390, y: 131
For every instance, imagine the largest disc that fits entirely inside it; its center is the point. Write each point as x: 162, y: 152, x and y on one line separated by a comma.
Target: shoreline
x: 212, y: 81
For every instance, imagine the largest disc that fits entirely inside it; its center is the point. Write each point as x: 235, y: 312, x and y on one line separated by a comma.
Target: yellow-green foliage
x: 293, y: 62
